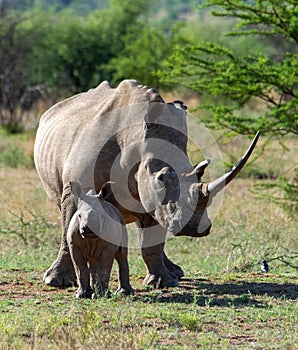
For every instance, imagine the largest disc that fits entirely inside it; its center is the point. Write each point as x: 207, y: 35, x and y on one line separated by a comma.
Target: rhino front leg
x: 158, y: 274
x: 101, y: 268
x: 62, y: 273
x: 81, y: 268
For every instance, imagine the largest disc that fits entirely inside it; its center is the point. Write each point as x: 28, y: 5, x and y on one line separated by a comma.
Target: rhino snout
x: 204, y: 226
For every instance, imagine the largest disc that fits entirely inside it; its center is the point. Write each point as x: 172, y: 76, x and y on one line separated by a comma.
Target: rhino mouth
x: 200, y: 229
x: 169, y: 216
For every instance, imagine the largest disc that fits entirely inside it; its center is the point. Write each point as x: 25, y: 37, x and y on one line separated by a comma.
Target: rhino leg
x: 62, y: 273
x: 101, y: 267
x: 158, y: 274
x: 123, y: 272
x: 173, y: 268
x: 82, y: 272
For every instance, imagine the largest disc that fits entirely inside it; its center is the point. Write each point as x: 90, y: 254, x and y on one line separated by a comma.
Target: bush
x: 13, y: 157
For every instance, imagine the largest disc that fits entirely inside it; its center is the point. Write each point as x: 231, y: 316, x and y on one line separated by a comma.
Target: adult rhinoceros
x: 130, y: 136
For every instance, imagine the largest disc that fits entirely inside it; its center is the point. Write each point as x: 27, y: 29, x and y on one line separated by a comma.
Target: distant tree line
x: 42, y: 50
x: 47, y: 48
x: 170, y: 9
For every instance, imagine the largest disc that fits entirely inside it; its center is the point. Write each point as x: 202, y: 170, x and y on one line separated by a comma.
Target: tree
x: 17, y: 94
x: 45, y: 50
x: 66, y: 51
x: 143, y: 54
x: 73, y: 51
x: 234, y: 81
x: 229, y: 82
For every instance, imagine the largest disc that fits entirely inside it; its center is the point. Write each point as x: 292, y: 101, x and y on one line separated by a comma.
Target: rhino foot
x: 125, y: 291
x: 59, y: 276
x: 173, y: 268
x: 101, y: 294
x: 84, y: 294
x: 92, y: 294
x: 157, y: 281
x: 178, y: 273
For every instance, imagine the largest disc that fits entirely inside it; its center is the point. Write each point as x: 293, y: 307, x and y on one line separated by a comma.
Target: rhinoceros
x: 95, y: 236
x: 130, y: 136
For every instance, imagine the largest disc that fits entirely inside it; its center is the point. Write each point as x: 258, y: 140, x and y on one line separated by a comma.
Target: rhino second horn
x: 215, y: 186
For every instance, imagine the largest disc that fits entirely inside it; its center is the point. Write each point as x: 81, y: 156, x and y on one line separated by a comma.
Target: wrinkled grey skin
x: 156, y: 187
x: 93, y: 227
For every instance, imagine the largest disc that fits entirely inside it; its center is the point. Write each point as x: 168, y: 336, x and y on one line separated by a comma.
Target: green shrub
x: 13, y: 157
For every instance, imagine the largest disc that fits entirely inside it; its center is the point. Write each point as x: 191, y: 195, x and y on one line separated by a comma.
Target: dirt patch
x: 203, y: 292
x: 24, y: 289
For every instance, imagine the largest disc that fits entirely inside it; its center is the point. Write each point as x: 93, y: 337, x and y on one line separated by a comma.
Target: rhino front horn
x: 215, y: 186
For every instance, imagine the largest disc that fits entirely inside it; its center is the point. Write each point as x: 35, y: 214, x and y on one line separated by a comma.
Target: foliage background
x: 52, y: 49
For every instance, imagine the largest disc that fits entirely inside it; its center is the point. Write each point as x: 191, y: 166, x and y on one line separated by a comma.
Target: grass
x: 237, y: 311
x: 223, y: 302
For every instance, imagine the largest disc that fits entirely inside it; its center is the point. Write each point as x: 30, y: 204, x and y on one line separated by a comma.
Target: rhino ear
x: 178, y: 104
x: 76, y: 189
x: 199, y: 169
x: 106, y: 190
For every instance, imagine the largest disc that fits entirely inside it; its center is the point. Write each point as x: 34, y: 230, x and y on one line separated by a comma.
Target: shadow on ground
x: 204, y: 292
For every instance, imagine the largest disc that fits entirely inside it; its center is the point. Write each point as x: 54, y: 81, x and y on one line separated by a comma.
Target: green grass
x: 223, y: 302
x: 249, y: 311
x: 213, y: 307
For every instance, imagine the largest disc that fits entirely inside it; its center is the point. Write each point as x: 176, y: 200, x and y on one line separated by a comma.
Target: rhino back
x: 72, y: 132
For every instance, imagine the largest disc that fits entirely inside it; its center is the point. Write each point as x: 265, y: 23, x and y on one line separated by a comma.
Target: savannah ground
x: 223, y: 302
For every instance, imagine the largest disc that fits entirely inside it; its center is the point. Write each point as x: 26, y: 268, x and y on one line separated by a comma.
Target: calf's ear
x: 76, y: 189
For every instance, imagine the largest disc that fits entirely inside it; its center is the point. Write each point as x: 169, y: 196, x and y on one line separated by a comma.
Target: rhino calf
x: 96, y: 235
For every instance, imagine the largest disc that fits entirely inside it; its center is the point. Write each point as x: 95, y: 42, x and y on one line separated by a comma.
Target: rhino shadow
x: 203, y: 292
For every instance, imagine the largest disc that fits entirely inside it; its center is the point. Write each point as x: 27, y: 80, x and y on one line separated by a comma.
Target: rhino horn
x: 215, y: 186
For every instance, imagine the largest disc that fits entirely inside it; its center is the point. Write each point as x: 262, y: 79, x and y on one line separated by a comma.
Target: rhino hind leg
x: 62, y: 273
x: 173, y: 268
x: 123, y: 272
